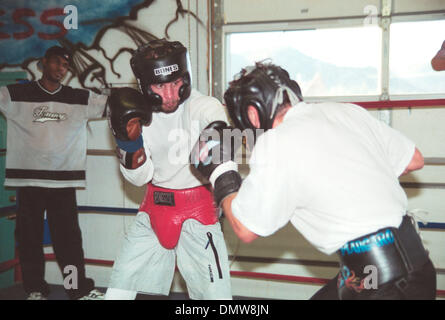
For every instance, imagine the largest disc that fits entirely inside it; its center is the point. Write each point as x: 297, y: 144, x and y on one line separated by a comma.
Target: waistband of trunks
x: 393, y: 252
x: 178, y: 197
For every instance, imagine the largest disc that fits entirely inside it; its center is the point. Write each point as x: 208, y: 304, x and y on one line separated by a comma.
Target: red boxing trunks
x: 169, y: 208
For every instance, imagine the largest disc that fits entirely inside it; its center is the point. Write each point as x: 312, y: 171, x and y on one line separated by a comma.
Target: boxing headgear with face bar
x: 161, y: 61
x: 261, y: 86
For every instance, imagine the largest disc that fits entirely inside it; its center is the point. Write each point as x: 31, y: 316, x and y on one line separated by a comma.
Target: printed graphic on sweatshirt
x: 41, y: 114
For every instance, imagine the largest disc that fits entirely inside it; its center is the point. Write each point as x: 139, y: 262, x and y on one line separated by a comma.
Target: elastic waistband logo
x: 380, y: 239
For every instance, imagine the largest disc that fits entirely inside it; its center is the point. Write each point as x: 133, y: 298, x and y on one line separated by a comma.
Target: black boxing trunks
x: 392, y: 253
x: 169, y: 208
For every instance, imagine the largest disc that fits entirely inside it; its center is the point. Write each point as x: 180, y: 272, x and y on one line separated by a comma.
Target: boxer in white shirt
x: 331, y: 170
x: 178, y: 219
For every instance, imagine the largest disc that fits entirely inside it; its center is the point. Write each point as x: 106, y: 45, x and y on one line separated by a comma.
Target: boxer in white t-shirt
x: 178, y: 219
x: 331, y: 170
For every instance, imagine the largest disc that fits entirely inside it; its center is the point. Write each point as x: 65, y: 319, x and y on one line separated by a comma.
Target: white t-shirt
x: 332, y: 170
x: 168, y: 141
x: 47, y: 134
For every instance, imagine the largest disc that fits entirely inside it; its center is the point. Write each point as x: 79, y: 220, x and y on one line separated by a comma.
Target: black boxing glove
x: 213, y: 157
x: 127, y: 113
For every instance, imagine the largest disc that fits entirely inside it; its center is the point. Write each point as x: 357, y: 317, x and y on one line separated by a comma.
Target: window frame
x: 219, y: 83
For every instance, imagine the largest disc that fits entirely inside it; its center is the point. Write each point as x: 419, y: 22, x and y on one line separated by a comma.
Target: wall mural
x: 27, y: 30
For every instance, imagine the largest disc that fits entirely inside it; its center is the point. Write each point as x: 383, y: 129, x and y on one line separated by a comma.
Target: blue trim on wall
x: 432, y: 225
x: 108, y: 209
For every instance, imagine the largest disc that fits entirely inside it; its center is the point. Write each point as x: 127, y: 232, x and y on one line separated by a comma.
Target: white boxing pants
x: 145, y: 266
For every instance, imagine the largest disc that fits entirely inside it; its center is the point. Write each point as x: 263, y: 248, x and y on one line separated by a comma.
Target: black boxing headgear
x: 161, y: 61
x: 261, y: 86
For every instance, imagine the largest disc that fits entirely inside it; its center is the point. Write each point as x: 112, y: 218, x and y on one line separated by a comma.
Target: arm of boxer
x: 417, y: 162
x: 396, y: 148
x: 141, y: 175
x: 214, y: 111
x: 128, y: 111
x: 207, y: 110
x: 131, y: 153
x: 438, y: 62
x: 240, y: 230
x: 213, y: 156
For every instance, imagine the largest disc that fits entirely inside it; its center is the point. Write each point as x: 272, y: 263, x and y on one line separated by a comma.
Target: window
x: 412, y: 46
x: 349, y: 60
x: 324, y: 62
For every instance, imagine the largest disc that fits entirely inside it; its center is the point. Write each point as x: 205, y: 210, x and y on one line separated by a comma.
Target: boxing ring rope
x: 87, y: 209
